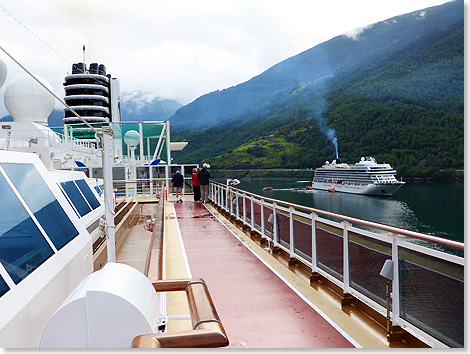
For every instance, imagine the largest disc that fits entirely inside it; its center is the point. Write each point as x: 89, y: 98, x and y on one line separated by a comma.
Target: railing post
x: 263, y: 230
x: 275, y: 231
x: 151, y: 180
x: 229, y: 199
x: 214, y: 191
x: 222, y: 199
x: 237, y: 209
x: 221, y: 191
x: 346, y: 279
x: 126, y: 175
x: 395, y: 296
x: 107, y: 141
x: 244, y: 209
x: 314, y: 242
x: 252, y: 213
x: 291, y: 233
x: 212, y: 194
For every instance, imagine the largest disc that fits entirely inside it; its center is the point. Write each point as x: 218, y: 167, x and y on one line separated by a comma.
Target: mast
x: 84, y: 62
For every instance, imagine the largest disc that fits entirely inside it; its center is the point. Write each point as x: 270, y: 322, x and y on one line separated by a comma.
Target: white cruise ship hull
x: 380, y: 189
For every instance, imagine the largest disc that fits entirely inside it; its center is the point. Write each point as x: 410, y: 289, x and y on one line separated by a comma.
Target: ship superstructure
x: 92, y: 93
x: 364, y: 177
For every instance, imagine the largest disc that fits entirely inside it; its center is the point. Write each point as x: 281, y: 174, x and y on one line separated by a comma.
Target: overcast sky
x: 178, y: 49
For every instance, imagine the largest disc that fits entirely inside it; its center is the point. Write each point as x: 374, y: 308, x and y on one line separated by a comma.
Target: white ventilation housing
x: 108, y: 309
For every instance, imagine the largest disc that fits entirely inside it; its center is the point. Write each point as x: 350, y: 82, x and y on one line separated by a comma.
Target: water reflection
x: 381, y: 210
x: 433, y: 208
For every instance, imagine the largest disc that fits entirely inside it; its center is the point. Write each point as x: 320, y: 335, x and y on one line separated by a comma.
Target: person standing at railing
x: 196, y: 185
x: 177, y: 183
x: 204, y: 177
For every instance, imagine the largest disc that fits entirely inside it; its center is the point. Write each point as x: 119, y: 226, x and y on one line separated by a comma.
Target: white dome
x: 3, y: 71
x: 132, y: 138
x: 27, y: 101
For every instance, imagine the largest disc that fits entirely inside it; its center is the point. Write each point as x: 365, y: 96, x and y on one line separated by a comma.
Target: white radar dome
x: 3, y: 71
x: 27, y: 101
x: 132, y: 138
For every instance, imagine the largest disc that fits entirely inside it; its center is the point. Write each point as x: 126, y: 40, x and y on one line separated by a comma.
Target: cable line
x: 34, y: 34
x: 52, y: 93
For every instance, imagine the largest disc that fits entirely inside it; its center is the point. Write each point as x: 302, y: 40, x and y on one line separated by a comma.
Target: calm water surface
x: 435, y: 208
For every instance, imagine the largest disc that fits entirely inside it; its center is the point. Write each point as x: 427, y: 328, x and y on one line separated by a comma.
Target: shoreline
x: 304, y: 173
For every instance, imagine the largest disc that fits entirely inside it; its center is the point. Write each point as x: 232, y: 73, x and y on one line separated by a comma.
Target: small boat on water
x: 365, y: 177
x: 267, y: 189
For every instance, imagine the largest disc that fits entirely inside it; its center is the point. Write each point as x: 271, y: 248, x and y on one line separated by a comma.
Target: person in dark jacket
x: 177, y: 183
x: 196, y: 185
x: 204, y: 177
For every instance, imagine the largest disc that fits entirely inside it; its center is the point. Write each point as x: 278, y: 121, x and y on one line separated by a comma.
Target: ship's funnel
x: 88, y: 92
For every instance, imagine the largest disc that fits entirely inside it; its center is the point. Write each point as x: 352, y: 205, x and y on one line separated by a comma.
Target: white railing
x: 428, y: 292
x: 141, y: 187
x: 147, y: 187
x: 50, y: 139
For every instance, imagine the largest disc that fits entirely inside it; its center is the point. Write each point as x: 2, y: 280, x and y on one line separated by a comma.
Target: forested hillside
x: 403, y: 105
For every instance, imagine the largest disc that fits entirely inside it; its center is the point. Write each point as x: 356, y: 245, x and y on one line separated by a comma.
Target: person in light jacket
x: 204, y: 177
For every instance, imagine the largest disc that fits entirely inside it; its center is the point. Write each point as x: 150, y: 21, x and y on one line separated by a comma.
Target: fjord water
x: 435, y: 208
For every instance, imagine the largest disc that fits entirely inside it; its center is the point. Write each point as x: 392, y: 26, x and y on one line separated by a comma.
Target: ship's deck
x: 262, y: 304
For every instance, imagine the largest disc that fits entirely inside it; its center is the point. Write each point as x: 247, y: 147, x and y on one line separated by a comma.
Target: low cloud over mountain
x: 146, y: 106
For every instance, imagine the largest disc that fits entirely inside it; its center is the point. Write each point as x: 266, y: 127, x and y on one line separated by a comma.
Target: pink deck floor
x: 257, y: 309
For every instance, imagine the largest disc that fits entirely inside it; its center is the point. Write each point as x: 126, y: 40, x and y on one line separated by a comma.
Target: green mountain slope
x: 314, y: 69
x: 403, y: 104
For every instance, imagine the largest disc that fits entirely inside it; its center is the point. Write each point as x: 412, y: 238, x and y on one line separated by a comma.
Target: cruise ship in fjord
x: 365, y: 177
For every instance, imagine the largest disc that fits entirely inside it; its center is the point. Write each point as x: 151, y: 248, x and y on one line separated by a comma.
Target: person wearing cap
x: 177, y: 184
x: 204, y: 177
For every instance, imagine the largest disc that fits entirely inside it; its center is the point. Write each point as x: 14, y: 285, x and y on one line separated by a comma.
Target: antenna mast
x: 84, y: 56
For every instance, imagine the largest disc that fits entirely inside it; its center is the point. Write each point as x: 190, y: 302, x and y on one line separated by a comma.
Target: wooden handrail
x: 154, y: 262
x: 208, y: 331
